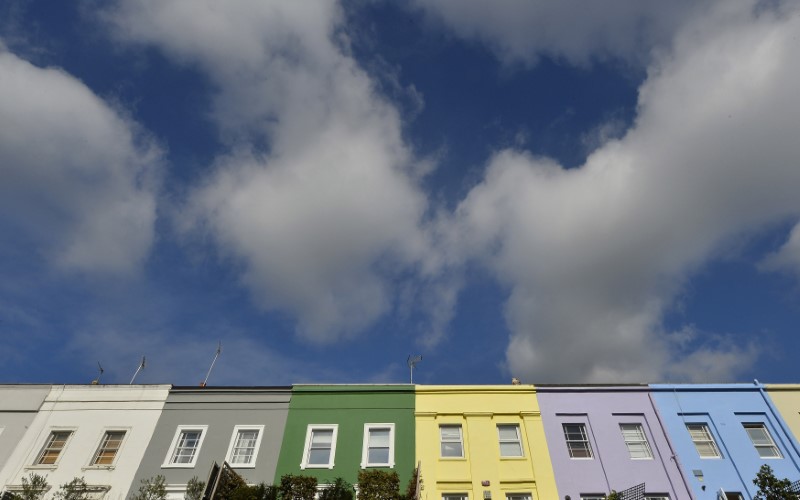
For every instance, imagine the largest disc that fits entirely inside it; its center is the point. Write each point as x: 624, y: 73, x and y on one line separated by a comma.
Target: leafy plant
x: 614, y: 496
x: 152, y: 489
x: 76, y: 489
x: 411, y: 488
x: 261, y: 491
x: 378, y: 485
x: 338, y: 490
x: 33, y: 487
x: 297, y: 487
x: 195, y: 489
x: 772, y: 488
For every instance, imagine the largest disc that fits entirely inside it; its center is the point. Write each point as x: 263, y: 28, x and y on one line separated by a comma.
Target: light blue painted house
x: 723, y: 434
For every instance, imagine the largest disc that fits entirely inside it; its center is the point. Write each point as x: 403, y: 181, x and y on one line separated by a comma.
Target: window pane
x: 53, y: 446
x: 451, y: 449
x: 321, y: 437
x: 379, y: 437
x: 319, y: 457
x: 450, y: 432
x: 378, y: 455
x: 507, y: 432
x: 510, y: 450
x: 108, y: 448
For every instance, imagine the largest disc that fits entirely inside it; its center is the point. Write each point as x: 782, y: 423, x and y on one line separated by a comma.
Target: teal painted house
x: 336, y: 430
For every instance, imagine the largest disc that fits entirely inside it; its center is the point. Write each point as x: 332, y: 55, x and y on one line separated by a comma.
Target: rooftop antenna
x: 140, y: 368
x: 412, y: 362
x: 216, y: 355
x: 97, y: 380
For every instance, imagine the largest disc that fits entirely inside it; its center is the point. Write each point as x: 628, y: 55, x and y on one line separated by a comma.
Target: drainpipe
x: 672, y: 453
x: 779, y: 420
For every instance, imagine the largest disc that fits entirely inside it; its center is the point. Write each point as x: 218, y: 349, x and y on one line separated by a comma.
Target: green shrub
x: 73, y: 490
x: 338, y: 490
x: 378, y: 485
x: 151, y: 489
x: 297, y: 487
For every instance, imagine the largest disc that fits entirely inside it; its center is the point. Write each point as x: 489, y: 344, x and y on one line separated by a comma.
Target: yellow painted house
x: 786, y: 398
x: 482, y: 442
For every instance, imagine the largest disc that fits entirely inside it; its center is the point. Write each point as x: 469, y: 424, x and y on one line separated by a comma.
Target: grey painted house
x: 18, y: 407
x: 199, y: 426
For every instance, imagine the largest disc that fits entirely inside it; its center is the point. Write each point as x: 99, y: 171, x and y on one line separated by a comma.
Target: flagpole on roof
x: 140, y: 368
x: 216, y: 355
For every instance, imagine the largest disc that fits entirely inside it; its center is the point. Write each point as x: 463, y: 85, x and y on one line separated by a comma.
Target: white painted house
x: 97, y: 432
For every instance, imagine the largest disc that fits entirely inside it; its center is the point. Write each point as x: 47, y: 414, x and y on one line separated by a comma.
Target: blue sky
x: 557, y: 191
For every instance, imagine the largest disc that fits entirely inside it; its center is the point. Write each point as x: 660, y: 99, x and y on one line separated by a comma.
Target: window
x: 577, y: 441
x: 378, y: 450
x: 455, y: 496
x: 510, y: 442
x: 703, y: 441
x: 733, y: 495
x: 451, y: 443
x: 320, y: 447
x: 55, y: 444
x: 518, y: 496
x: 593, y: 496
x: 245, y: 442
x: 657, y: 496
x: 635, y: 440
x: 185, y: 446
x: 109, y: 446
x: 763, y: 442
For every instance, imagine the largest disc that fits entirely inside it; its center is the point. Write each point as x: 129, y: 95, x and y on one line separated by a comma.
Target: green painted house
x: 336, y: 430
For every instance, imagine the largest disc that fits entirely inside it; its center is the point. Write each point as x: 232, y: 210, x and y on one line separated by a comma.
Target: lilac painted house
x: 604, y: 438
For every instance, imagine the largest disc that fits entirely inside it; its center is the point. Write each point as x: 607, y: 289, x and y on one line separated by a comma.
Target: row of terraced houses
x: 490, y: 442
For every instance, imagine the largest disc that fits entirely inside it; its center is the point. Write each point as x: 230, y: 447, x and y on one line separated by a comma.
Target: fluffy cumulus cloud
x: 78, y: 179
x: 570, y: 30
x: 324, y: 216
x: 594, y: 256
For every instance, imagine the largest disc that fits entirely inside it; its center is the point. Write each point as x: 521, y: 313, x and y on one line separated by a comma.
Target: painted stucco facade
x: 785, y: 399
x: 609, y: 416
x: 18, y: 407
x: 347, y: 413
x: 219, y: 414
x: 718, y: 454
x: 481, y: 414
x: 84, y: 415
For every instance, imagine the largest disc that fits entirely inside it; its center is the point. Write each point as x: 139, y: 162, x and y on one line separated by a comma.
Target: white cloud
x: 594, y: 256
x: 333, y: 212
x: 786, y: 258
x: 77, y: 178
x: 572, y: 30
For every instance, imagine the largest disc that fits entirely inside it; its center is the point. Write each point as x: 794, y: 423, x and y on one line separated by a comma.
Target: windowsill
x: 581, y: 458
x: 41, y: 467
x: 454, y: 459
x: 512, y: 458
x: 242, y: 466
x: 177, y: 466
x: 377, y: 466
x: 98, y: 467
x: 309, y: 466
x: 648, y: 458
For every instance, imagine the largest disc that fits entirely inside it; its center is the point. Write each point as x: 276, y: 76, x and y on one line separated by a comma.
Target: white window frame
x: 332, y: 458
x: 584, y: 433
x: 593, y: 496
x: 639, y: 442
x: 455, y: 496
x: 771, y: 444
x: 656, y: 496
x: 95, y: 455
x: 460, y: 440
x: 171, y: 451
x: 518, y: 496
x: 40, y: 454
x: 708, y: 439
x: 365, y: 448
x: 232, y: 446
x: 517, y: 441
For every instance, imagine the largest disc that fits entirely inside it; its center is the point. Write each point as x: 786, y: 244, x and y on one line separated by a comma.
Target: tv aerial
x: 216, y: 355
x: 97, y: 380
x: 140, y: 368
x: 412, y: 362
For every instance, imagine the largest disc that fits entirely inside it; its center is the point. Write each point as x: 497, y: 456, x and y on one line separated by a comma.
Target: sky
x: 561, y: 192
